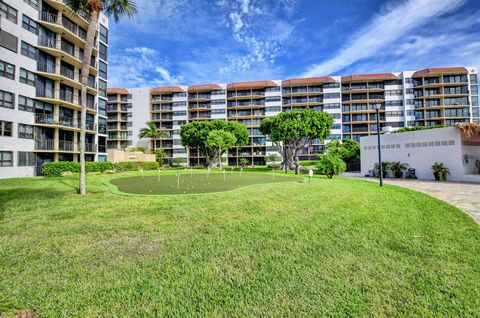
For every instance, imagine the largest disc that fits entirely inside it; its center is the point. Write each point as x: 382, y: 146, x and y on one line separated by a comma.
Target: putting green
x: 195, y: 183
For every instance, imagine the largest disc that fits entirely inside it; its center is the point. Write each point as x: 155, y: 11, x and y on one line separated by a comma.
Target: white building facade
x: 41, y: 47
x: 422, y: 148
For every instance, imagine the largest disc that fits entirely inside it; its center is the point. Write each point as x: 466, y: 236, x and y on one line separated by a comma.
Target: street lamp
x: 380, y: 167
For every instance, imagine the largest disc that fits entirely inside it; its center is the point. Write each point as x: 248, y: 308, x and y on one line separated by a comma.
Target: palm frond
x: 119, y: 8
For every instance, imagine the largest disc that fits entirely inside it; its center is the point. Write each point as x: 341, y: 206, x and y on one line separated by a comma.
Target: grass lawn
x: 192, y: 183
x: 336, y: 247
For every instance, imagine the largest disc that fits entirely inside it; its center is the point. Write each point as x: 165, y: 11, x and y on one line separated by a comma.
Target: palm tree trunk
x: 92, y: 27
x: 154, y: 145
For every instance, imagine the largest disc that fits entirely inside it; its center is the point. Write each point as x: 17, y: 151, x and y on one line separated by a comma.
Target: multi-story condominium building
x: 41, y: 51
x: 119, y: 125
x: 434, y: 96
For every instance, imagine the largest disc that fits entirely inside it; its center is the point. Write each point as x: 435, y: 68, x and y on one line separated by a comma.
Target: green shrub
x: 55, y: 169
x: 135, y: 166
x: 330, y: 165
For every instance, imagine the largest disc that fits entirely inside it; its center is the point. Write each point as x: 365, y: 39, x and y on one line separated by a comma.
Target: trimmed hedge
x: 135, y: 166
x: 55, y: 169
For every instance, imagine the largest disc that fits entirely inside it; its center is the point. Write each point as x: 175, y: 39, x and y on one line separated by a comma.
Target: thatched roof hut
x: 469, y: 129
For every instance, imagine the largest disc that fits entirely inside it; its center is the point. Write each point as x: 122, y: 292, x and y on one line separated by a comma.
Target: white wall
x: 419, y: 149
x: 140, y: 114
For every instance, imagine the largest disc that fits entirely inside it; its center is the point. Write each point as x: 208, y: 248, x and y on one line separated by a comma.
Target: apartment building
x: 433, y: 96
x: 41, y: 52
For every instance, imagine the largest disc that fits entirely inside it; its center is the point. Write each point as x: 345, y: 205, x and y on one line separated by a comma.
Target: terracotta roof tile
x: 308, y: 81
x: 246, y: 85
x: 114, y: 90
x: 364, y: 77
x: 166, y: 89
x: 440, y: 70
x: 204, y: 87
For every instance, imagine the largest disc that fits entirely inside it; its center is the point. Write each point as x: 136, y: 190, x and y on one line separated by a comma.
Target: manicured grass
x: 327, y: 248
x: 191, y: 183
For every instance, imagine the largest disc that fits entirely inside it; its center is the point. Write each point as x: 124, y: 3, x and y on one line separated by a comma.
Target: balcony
x: 43, y: 66
x: 66, y: 145
x: 44, y: 144
x: 240, y: 94
x: 67, y: 72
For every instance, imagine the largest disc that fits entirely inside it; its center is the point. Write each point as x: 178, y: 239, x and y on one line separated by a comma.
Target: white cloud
x: 140, y: 67
x: 386, y: 28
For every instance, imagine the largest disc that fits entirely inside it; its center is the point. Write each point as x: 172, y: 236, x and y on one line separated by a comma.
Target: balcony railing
x: 66, y: 145
x: 47, y: 42
x: 67, y: 72
x: 43, y: 66
x: 48, y: 17
x: 247, y: 93
x: 44, y: 144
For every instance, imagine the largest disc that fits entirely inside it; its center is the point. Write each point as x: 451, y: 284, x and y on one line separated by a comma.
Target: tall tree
x: 195, y: 136
x: 219, y: 141
x: 92, y: 9
x: 152, y: 132
x: 293, y: 131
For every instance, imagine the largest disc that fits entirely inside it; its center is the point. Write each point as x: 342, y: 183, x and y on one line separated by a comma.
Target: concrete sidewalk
x: 465, y: 196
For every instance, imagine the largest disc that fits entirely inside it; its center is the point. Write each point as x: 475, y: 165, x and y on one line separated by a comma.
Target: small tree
x: 195, y: 135
x: 347, y: 149
x: 271, y: 158
x: 330, y: 165
x: 177, y: 161
x: 292, y: 131
x: 219, y: 141
x: 152, y: 132
x: 385, y: 167
x: 243, y: 162
x: 160, y: 154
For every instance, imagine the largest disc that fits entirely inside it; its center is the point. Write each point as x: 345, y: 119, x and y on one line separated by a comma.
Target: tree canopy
x: 347, y: 149
x: 292, y: 131
x: 214, y: 137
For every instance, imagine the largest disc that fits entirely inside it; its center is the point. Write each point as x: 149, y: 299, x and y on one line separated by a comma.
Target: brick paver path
x: 465, y: 196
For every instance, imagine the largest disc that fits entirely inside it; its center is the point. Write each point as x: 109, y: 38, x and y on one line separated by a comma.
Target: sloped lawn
x: 327, y: 248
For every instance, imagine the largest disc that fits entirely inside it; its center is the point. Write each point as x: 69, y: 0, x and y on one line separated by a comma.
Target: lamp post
x: 379, y: 145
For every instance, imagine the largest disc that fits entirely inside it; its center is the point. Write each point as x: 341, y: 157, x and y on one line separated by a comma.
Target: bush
x: 56, y: 169
x: 135, y: 166
x: 330, y: 165
x: 273, y: 165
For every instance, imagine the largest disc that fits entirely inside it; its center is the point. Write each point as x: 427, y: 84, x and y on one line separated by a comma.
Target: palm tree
x: 92, y: 9
x: 152, y: 132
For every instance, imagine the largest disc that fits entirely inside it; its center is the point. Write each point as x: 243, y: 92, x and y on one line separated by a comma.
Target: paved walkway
x: 465, y: 196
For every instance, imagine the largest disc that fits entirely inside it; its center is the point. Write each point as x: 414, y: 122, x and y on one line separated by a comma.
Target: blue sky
x: 183, y: 42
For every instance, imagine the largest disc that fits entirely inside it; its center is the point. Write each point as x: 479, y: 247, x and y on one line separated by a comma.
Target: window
x: 103, y: 51
x: 393, y: 103
x: 331, y: 106
x: 26, y: 159
x: 8, y: 12
x: 217, y: 101
x: 394, y: 92
x: 408, y: 80
x: 27, y: 77
x: 103, y: 34
x: 29, y: 50
x: 218, y: 111
x: 331, y: 95
x: 331, y: 85
x: 474, y: 89
x: 8, y: 41
x: 102, y: 88
x: 6, y: 158
x: 7, y: 99
x: 272, y: 98
x: 6, y: 128
x: 179, y: 113
x: 273, y: 89
x: 45, y: 87
x: 218, y: 92
x: 7, y: 70
x: 103, y: 70
x: 33, y: 3
x: 25, y: 103
x: 25, y: 131
x: 473, y: 79
x: 273, y: 109
x: 29, y: 24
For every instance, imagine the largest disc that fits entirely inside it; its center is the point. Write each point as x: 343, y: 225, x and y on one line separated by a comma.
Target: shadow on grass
x: 27, y: 194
